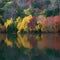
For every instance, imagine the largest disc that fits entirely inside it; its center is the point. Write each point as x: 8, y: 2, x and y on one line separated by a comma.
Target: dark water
x: 30, y: 46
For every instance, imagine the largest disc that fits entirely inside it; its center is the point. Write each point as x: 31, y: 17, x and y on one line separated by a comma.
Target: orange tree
x: 57, y: 23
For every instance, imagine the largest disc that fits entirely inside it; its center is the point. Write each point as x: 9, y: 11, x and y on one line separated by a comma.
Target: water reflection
x: 30, y: 46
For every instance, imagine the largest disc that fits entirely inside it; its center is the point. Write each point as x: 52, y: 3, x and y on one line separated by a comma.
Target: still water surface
x: 30, y: 46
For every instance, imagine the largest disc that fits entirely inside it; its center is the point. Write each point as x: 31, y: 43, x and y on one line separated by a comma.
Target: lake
x: 30, y: 46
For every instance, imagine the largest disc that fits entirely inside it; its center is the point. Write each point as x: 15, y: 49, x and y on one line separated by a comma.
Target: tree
x: 32, y: 23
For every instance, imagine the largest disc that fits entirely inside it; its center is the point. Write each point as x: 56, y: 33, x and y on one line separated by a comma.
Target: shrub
x: 8, y: 22
x: 52, y: 12
x: 55, y: 12
x: 20, y: 11
x: 48, y: 13
x: 11, y: 28
x: 1, y: 11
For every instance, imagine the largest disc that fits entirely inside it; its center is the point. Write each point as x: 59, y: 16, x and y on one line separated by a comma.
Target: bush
x: 55, y: 12
x: 48, y: 13
x: 52, y: 12
x: 20, y: 12
x: 1, y: 11
x: 36, y: 5
x: 1, y: 21
x: 12, y: 28
x: 0, y: 27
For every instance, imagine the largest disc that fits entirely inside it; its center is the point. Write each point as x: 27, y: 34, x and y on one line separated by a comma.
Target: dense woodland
x: 29, y: 16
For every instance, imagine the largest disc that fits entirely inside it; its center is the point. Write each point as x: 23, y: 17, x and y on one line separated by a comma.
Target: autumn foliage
x: 51, y: 24
x: 57, y: 23
x: 32, y: 23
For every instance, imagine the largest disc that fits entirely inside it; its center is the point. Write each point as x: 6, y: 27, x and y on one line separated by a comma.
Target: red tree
x: 32, y: 23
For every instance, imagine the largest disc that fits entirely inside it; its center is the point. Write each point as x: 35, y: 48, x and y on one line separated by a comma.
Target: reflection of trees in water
x: 2, y: 46
x: 51, y: 41
x: 3, y: 36
x: 28, y: 46
x: 33, y: 41
x: 30, y: 41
